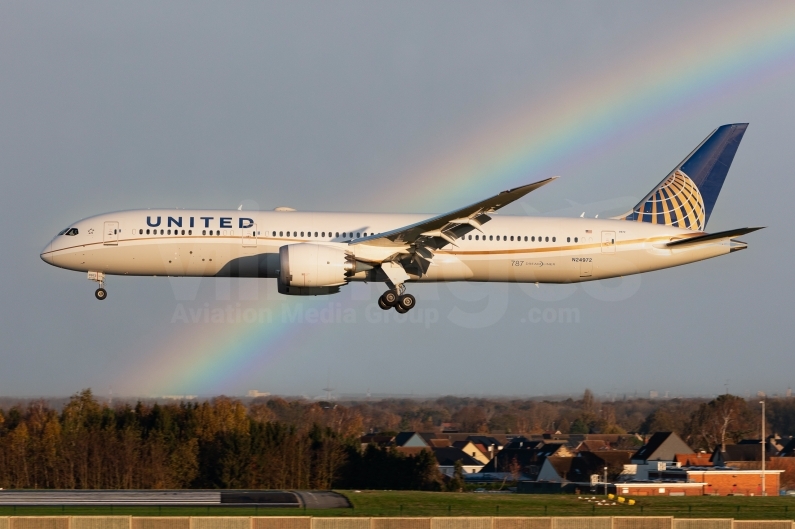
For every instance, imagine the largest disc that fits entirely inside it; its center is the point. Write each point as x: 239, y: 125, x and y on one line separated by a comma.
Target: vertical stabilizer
x: 685, y: 197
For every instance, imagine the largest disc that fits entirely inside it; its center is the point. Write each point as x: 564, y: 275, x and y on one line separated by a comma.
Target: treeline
x: 703, y: 423
x: 215, y: 444
x: 299, y: 444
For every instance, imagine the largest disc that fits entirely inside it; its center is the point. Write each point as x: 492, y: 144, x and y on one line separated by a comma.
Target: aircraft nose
x: 46, y: 254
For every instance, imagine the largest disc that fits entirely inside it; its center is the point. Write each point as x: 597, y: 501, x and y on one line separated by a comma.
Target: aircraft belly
x: 520, y: 268
x: 447, y: 267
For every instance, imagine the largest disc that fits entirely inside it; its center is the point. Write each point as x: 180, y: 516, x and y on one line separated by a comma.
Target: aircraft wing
x: 444, y: 226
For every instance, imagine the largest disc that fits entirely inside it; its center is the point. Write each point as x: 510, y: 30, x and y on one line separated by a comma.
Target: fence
x: 306, y: 522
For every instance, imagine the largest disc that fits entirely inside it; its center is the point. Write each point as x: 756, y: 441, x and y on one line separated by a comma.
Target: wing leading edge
x: 443, y: 226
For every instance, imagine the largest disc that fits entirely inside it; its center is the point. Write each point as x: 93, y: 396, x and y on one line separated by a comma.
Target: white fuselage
x: 246, y: 244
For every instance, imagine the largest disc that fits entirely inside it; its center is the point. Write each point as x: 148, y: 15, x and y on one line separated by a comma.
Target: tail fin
x: 685, y: 197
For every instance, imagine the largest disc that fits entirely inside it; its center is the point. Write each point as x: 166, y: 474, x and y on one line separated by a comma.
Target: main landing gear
x: 99, y: 277
x: 398, y: 299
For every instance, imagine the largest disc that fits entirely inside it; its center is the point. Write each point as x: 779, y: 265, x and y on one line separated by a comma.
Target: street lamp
x: 605, y: 480
x: 764, y: 446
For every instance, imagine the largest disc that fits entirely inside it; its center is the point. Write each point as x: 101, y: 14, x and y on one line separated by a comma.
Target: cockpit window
x: 71, y: 231
x: 62, y: 231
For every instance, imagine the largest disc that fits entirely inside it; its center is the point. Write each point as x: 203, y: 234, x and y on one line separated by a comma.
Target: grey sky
x: 338, y: 106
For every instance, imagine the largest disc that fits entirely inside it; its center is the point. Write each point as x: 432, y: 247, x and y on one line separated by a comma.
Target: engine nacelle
x: 312, y: 265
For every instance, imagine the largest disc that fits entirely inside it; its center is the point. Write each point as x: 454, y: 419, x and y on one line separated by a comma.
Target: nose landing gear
x: 99, y: 277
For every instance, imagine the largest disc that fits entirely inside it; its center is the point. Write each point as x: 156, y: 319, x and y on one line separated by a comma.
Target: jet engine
x: 312, y: 269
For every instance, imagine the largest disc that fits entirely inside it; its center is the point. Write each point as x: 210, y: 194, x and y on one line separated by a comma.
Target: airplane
x: 317, y: 253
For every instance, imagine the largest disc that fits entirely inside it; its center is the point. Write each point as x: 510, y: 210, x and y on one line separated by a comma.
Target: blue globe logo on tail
x: 675, y: 202
x: 685, y: 197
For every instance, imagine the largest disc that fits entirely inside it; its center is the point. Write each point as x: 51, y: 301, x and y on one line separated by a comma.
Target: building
x: 720, y: 481
x: 661, y: 447
x: 701, y: 459
x: 584, y: 466
x: 476, y: 451
x: 448, y: 456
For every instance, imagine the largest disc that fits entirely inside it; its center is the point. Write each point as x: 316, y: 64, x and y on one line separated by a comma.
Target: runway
x: 228, y: 498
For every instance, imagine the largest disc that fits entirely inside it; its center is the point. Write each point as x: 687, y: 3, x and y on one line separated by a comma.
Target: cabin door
x: 250, y: 236
x: 111, y: 234
x: 608, y: 242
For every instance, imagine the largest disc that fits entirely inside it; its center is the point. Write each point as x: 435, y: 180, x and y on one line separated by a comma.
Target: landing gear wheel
x: 382, y: 304
x: 400, y: 310
x: 390, y: 298
x: 101, y: 293
x: 406, y: 302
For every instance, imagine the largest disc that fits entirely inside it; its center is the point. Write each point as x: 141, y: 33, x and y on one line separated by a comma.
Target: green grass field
x: 400, y: 503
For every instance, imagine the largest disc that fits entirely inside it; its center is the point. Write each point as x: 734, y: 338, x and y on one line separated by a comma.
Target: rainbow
x: 742, y: 51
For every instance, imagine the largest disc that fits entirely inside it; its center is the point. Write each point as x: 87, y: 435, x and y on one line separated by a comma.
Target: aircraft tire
x: 406, y: 302
x: 390, y: 298
x: 382, y: 304
x: 399, y: 308
x: 101, y: 294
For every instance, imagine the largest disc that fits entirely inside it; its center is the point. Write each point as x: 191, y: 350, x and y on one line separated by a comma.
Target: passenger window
x: 533, y: 238
x: 553, y: 239
x: 568, y: 239
x: 575, y: 239
x: 470, y: 237
x: 525, y: 238
x: 190, y: 232
x: 183, y: 232
x: 491, y: 237
x: 547, y: 239
x: 358, y: 235
x: 322, y: 233
x: 337, y: 234
x: 204, y: 232
x: 511, y: 237
x: 302, y: 234
x: 140, y: 232
x: 477, y: 237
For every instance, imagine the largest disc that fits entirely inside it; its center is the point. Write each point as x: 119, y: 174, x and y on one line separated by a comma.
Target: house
x: 448, y: 456
x: 377, y: 440
x: 579, y: 469
x: 661, y: 448
x: 701, y: 459
x: 554, y: 449
x: 411, y: 440
x: 740, y: 455
x: 592, y: 445
x: 476, y: 451
x: 555, y: 469
x: 521, y: 452
x: 788, y: 450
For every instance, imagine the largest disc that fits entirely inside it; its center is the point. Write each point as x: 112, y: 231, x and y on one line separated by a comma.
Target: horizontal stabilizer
x: 711, y: 237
